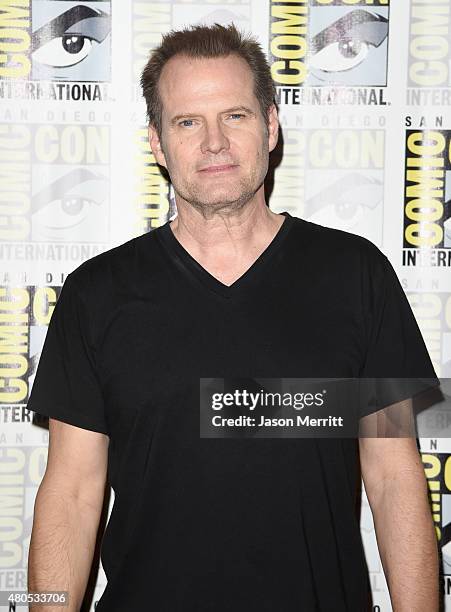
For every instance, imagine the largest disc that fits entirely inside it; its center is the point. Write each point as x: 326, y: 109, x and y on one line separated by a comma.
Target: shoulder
x: 115, y: 266
x: 102, y: 285
x: 336, y: 247
x: 344, y: 265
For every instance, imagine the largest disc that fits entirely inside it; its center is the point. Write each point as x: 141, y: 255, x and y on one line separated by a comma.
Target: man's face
x: 214, y: 141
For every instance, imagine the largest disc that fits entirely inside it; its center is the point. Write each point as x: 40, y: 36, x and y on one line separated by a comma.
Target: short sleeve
x: 397, y: 364
x: 66, y: 385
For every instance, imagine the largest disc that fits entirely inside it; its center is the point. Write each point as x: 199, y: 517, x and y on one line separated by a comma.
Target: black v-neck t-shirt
x: 214, y: 524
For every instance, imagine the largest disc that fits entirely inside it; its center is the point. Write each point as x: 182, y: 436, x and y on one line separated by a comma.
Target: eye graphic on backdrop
x: 67, y: 40
x: 64, y: 51
x: 70, y: 206
x: 346, y: 43
x: 346, y: 203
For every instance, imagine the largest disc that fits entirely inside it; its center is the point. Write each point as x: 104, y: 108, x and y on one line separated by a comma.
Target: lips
x: 218, y: 168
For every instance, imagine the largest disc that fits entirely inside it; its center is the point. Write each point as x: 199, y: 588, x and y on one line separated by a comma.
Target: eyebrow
x: 228, y: 110
x: 362, y: 23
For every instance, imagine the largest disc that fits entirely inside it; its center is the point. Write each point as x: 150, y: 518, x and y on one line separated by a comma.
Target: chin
x: 218, y: 197
x: 217, y: 194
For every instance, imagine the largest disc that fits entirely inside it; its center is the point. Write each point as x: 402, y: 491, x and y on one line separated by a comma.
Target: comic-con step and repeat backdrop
x: 364, y: 96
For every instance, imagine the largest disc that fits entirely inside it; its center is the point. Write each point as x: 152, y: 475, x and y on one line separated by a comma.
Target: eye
x: 70, y: 201
x: 74, y: 205
x: 346, y: 203
x: 340, y: 56
x: 345, y: 44
x: 237, y: 115
x: 184, y: 123
x: 65, y: 212
x: 70, y: 37
x: 64, y: 51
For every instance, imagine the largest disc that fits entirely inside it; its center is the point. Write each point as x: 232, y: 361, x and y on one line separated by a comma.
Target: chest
x: 153, y: 348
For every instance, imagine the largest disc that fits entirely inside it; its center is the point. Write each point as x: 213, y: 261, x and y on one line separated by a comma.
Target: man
x: 227, y: 289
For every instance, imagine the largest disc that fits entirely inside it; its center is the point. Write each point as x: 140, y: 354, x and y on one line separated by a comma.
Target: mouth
x: 218, y: 169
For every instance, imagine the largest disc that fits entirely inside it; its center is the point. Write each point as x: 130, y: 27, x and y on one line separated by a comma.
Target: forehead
x: 186, y: 81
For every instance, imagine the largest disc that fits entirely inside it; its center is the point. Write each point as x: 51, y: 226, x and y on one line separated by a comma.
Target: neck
x: 226, y: 245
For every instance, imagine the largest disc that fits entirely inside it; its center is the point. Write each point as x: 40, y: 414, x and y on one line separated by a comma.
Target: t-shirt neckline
x: 245, y: 281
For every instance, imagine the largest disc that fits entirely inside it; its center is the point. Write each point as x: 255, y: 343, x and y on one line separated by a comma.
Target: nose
x: 214, y: 139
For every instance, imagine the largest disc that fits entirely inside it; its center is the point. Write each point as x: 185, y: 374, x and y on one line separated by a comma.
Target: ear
x: 155, y: 145
x: 273, y: 127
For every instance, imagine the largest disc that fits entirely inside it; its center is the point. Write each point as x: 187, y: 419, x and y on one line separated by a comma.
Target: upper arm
x: 77, y: 462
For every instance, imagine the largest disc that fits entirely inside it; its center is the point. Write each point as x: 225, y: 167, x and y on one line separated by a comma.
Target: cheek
x: 183, y: 149
x: 252, y: 154
x: 251, y: 143
x: 177, y: 153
